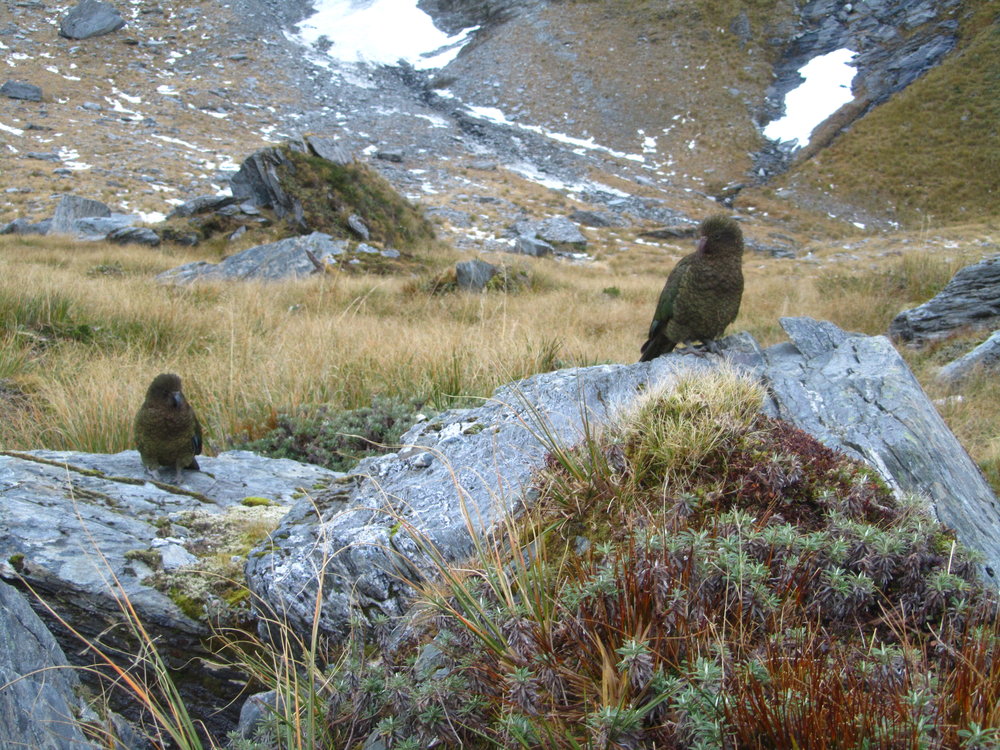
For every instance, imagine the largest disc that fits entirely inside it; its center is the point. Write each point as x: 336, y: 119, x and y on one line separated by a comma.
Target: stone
x: 474, y: 275
x: 561, y: 233
x: 73, y: 207
x: 82, y: 529
x: 257, y: 181
x: 985, y: 358
x: 532, y: 246
x: 99, y: 227
x: 358, y: 226
x: 390, y: 156
x: 673, y: 232
x: 23, y: 226
x: 329, y: 149
x: 285, y: 259
x: 970, y: 300
x: 370, y: 534
x: 19, y: 90
x: 201, y: 205
x: 39, y: 702
x: 90, y: 18
x: 134, y: 236
x: 598, y: 219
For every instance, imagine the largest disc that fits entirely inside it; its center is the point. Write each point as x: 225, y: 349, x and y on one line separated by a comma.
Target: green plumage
x: 167, y: 431
x: 703, y: 292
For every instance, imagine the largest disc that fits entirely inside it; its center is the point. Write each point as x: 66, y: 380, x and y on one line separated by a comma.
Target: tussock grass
x: 79, y: 344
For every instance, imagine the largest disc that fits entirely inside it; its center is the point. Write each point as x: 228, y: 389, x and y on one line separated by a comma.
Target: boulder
x: 970, y: 300
x: 329, y: 149
x: 39, y: 691
x: 134, y: 236
x: 201, y: 205
x: 90, y: 18
x: 73, y: 207
x: 984, y: 358
x: 258, y: 182
x: 18, y: 90
x: 597, y: 219
x: 474, y: 275
x: 99, y: 227
x: 292, y: 257
x: 371, y: 534
x: 23, y: 226
x: 532, y: 246
x: 83, y: 529
x: 561, y: 233
x: 358, y: 226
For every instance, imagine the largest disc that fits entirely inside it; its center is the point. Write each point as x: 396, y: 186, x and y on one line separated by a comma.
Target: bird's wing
x: 196, y: 438
x: 665, y: 305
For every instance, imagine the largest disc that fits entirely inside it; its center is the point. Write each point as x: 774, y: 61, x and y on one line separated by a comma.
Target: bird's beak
x: 702, y: 241
x: 178, y: 398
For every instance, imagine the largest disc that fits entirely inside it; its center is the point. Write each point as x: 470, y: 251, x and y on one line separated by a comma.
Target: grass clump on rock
x: 698, y: 575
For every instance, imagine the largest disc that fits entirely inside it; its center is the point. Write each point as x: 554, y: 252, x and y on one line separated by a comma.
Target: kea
x: 167, y: 431
x: 702, y: 294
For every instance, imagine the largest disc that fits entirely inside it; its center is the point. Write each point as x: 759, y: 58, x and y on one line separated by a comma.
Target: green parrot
x: 702, y: 294
x: 167, y: 431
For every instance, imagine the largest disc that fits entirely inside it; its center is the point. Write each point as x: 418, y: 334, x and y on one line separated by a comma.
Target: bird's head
x: 166, y: 388
x: 720, y: 234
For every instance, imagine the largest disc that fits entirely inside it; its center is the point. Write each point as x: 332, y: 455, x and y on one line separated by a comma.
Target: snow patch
x: 827, y: 87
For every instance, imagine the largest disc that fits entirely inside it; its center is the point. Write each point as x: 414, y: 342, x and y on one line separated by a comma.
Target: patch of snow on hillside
x: 826, y: 88
x: 380, y: 32
x: 492, y: 114
x: 12, y: 130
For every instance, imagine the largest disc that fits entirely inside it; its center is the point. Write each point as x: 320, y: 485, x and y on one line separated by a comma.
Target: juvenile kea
x: 702, y: 293
x: 167, y: 431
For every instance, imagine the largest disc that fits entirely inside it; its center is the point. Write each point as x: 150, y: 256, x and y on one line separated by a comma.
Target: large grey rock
x: 23, y: 226
x: 474, y: 275
x: 20, y: 90
x: 90, y: 18
x: 329, y: 149
x: 855, y: 393
x: 970, y: 300
x: 201, y: 204
x: 258, y: 182
x: 558, y: 231
x: 532, y: 246
x: 984, y: 358
x: 39, y: 692
x: 467, y: 468
x: 99, y: 227
x: 83, y: 529
x: 134, y: 236
x: 73, y: 207
x: 285, y: 259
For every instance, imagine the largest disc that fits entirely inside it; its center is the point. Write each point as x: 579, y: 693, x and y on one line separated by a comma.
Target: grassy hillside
x: 83, y: 329
x: 929, y: 155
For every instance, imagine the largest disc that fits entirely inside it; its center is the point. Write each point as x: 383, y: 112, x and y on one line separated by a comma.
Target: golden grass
x: 82, y: 344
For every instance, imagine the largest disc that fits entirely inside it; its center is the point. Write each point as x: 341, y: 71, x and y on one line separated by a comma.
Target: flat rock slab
x: 284, y: 259
x: 970, y: 300
x: 462, y: 472
x: 68, y: 522
x: 90, y: 18
x: 984, y: 358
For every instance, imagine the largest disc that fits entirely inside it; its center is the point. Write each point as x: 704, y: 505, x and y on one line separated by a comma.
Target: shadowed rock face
x: 970, y: 300
x: 467, y: 468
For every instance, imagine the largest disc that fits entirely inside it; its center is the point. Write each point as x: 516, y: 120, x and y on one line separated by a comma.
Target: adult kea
x: 167, y: 431
x: 702, y: 294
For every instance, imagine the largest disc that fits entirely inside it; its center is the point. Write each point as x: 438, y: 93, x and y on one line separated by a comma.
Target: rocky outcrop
x: 90, y: 18
x: 985, y: 358
x: 39, y: 700
x: 474, y: 275
x: 259, y: 182
x: 461, y: 472
x: 970, y: 300
x: 72, y: 208
x: 19, y: 90
x: 84, y: 529
x: 290, y: 258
